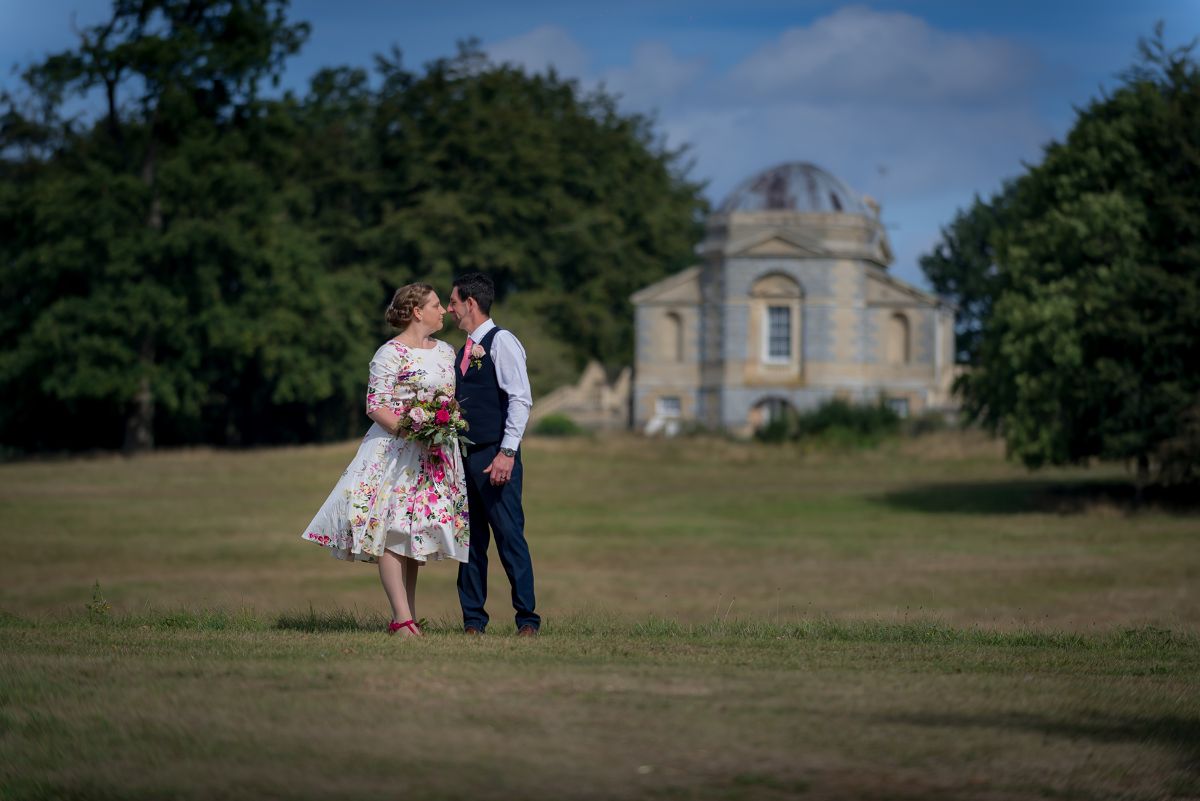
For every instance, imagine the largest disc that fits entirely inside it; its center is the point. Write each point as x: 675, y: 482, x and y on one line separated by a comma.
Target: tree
x: 201, y: 264
x: 962, y: 268
x: 568, y: 203
x: 1092, y: 343
x: 152, y: 258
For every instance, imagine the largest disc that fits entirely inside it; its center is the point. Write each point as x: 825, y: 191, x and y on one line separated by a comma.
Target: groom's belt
x: 482, y: 446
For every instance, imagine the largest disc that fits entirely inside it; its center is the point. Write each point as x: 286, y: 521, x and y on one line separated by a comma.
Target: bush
x: 780, y: 430
x: 557, y: 425
x: 836, y: 422
x: 926, y: 423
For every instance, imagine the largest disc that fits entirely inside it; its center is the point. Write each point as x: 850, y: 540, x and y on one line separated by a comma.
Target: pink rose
x: 418, y: 416
x: 478, y: 352
x: 442, y: 417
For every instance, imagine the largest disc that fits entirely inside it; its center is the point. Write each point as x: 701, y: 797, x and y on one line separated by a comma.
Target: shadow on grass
x: 1178, y: 733
x: 334, y: 620
x: 23, y: 789
x: 350, y: 620
x: 1036, y: 495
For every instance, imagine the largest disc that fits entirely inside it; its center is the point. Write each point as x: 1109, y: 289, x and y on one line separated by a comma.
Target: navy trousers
x: 495, y: 511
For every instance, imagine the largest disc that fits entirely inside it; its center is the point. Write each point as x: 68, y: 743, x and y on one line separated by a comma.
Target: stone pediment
x: 682, y: 287
x: 778, y: 244
x: 886, y: 290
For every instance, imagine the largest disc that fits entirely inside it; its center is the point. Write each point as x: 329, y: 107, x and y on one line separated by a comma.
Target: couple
x: 401, y: 502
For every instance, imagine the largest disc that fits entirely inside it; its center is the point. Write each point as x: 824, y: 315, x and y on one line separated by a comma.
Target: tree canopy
x: 199, y: 263
x: 1081, y: 282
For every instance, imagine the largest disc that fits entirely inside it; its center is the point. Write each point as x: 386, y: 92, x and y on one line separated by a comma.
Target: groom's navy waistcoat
x: 484, y: 404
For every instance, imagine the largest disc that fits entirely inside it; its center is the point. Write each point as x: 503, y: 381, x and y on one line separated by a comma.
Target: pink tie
x: 466, y: 359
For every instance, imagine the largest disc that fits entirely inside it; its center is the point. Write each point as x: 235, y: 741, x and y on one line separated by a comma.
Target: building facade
x: 790, y: 305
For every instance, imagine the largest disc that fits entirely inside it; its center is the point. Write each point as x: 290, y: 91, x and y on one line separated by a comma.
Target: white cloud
x: 932, y: 161
x: 541, y: 48
x: 655, y: 76
x: 857, y: 54
x: 918, y: 117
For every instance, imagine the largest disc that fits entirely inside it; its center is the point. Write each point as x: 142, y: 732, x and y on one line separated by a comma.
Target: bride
x: 399, y: 503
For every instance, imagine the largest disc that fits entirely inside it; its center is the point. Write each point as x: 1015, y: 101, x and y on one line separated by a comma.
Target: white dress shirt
x: 509, y: 357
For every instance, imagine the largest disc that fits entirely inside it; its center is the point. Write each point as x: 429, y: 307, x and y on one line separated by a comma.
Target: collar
x: 480, y: 332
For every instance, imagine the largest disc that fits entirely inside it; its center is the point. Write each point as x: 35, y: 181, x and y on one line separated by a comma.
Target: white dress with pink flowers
x: 397, y: 494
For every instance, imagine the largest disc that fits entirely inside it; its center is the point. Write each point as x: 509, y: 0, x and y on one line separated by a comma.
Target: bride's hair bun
x: 408, y: 297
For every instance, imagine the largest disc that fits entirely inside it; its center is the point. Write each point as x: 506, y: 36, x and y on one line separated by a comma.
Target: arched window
x: 776, y: 409
x: 899, y: 342
x: 779, y: 333
x: 770, y: 410
x: 776, y: 300
x: 672, y: 341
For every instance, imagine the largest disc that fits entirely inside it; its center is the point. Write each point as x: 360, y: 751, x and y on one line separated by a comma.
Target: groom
x: 493, y: 391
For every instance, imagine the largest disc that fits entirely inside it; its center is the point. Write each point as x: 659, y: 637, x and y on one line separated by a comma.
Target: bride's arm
x: 388, y: 420
x: 385, y: 392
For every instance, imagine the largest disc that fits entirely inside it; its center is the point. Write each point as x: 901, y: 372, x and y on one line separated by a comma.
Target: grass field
x: 722, y: 621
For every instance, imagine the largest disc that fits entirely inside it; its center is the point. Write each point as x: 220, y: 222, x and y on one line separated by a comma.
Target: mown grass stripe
x: 919, y: 632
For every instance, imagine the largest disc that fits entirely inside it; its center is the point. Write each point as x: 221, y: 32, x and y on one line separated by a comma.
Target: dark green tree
x: 200, y: 264
x: 154, y: 261
x: 962, y: 268
x: 1092, y: 344
x: 569, y: 204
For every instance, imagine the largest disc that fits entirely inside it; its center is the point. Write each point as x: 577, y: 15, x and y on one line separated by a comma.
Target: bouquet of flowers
x: 433, y: 418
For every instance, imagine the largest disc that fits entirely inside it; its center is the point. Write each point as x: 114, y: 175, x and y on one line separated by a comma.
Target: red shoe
x: 411, y: 625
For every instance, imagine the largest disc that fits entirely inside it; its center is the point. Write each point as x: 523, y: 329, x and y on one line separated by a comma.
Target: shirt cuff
x: 510, y: 441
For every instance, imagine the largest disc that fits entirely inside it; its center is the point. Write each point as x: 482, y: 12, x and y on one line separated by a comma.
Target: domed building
x: 791, y: 305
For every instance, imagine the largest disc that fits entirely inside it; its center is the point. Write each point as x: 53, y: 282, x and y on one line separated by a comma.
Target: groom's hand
x: 500, y: 470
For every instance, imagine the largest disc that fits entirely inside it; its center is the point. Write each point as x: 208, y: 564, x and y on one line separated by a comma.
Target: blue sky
x: 919, y: 104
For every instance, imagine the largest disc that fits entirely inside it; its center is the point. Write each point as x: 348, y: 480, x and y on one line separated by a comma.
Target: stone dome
x: 796, y: 186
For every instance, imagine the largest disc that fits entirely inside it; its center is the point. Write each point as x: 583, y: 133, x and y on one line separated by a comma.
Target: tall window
x: 673, y: 341
x: 899, y: 344
x: 776, y: 312
x: 779, y: 333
